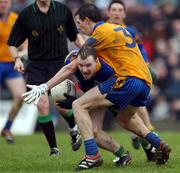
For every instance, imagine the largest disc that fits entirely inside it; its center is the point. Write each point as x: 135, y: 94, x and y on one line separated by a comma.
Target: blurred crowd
x: 159, y: 23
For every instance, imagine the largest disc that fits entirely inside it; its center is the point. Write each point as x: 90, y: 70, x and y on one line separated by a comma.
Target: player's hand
x: 35, y: 93
x: 67, y: 104
x: 23, y: 54
x: 19, y: 66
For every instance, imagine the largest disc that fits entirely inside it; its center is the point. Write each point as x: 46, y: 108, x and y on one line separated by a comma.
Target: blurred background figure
x: 8, y: 75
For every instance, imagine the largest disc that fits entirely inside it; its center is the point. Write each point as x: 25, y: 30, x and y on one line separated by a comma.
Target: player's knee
x: 43, y: 105
x: 76, y: 105
x: 18, y: 99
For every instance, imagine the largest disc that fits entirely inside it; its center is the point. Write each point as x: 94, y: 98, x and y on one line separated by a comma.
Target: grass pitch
x: 30, y: 154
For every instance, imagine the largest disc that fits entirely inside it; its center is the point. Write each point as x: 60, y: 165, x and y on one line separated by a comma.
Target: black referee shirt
x: 46, y: 33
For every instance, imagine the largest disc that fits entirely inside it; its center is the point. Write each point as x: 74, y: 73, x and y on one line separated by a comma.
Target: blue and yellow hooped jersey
x: 115, y: 45
x: 104, y: 72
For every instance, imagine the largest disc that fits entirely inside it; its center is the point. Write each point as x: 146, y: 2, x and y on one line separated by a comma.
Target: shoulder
x: 60, y: 5
x: 103, y: 63
x: 63, y: 10
x: 103, y: 27
x: 100, y: 30
x: 134, y: 32
x: 131, y: 30
x: 13, y: 15
x: 71, y: 56
x: 27, y: 11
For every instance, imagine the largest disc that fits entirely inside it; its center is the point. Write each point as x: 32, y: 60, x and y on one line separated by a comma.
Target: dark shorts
x: 132, y: 91
x: 40, y: 72
x: 7, y: 72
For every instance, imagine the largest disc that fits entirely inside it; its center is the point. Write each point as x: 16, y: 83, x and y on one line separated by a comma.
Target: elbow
x: 70, y: 70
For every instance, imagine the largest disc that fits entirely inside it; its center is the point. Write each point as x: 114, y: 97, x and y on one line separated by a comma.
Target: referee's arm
x: 17, y: 36
x: 71, y: 29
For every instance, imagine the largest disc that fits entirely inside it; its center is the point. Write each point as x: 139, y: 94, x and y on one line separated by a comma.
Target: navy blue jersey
x: 103, y: 73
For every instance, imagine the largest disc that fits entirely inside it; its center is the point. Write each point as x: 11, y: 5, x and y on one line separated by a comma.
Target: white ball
x: 67, y: 86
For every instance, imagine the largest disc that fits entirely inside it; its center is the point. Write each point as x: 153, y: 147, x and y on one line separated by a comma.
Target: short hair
x: 117, y: 1
x: 87, y: 51
x: 90, y: 11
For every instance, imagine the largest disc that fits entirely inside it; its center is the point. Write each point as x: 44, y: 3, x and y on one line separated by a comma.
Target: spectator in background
x: 8, y: 75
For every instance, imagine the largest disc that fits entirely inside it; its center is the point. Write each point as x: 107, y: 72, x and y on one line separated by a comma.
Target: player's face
x: 84, y: 26
x: 116, y: 13
x: 5, y: 6
x: 87, y: 66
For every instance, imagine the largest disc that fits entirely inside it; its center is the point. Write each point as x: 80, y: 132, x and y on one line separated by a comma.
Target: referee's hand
x: 19, y: 66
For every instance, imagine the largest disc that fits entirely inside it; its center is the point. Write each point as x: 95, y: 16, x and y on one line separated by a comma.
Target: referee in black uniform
x: 46, y: 24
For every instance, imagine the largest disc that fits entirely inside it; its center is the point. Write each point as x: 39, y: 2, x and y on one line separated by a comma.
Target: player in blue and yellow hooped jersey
x: 117, y: 15
x: 92, y: 71
x: 128, y: 89
x: 103, y: 72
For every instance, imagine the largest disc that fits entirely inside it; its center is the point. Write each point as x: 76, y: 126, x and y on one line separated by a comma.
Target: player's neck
x: 117, y: 23
x: 43, y: 6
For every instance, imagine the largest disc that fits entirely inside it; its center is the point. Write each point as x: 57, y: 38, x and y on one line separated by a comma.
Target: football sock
x: 153, y: 139
x: 145, y: 144
x: 48, y: 129
x: 8, y: 125
x: 75, y: 128
x: 91, y: 148
x: 113, y: 110
x: 70, y: 119
x: 119, y: 152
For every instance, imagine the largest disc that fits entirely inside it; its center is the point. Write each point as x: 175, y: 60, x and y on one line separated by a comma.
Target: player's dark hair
x: 117, y: 1
x: 90, y: 11
x: 87, y: 51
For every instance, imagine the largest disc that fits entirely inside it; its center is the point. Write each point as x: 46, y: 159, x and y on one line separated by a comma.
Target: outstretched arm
x: 37, y: 91
x: 63, y: 74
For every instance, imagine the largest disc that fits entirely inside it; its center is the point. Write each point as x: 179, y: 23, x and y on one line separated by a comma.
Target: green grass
x: 30, y: 155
